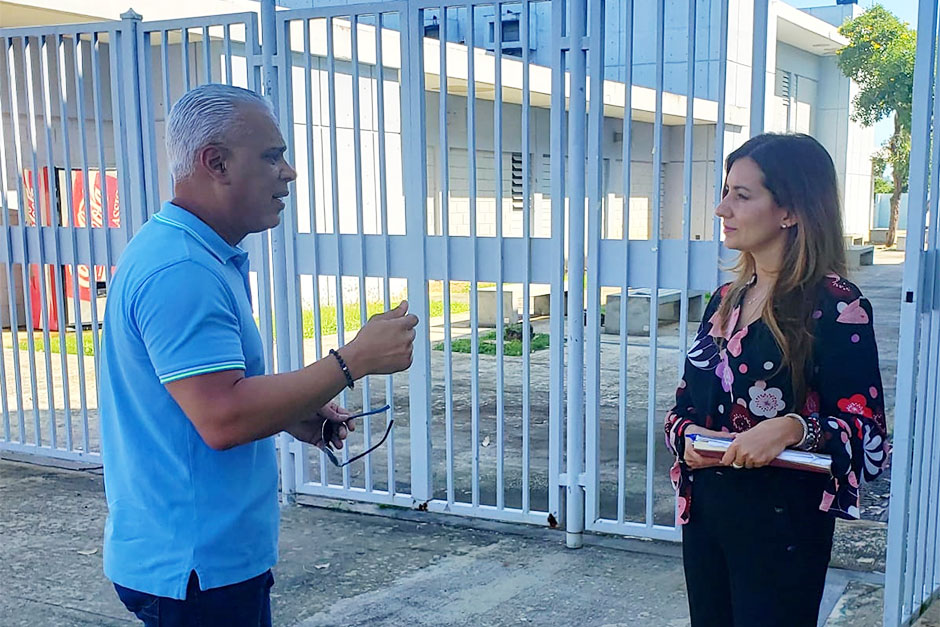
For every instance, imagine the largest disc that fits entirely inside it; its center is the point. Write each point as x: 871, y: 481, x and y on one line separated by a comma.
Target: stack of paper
x: 800, y: 460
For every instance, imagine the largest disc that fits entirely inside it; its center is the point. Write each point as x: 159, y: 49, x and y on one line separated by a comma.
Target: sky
x: 906, y: 10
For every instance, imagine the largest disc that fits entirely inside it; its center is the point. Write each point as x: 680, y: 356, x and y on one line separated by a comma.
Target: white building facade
x: 806, y: 92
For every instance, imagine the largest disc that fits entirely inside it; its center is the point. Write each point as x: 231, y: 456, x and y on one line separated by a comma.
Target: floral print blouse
x: 734, y: 386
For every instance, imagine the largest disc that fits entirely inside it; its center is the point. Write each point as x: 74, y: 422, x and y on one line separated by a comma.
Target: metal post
x: 133, y: 219
x: 278, y: 253
x: 577, y: 130
x: 419, y: 376
x: 912, y: 295
x: 759, y: 66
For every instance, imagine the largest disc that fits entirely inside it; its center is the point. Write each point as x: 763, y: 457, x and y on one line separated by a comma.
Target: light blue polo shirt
x: 179, y: 306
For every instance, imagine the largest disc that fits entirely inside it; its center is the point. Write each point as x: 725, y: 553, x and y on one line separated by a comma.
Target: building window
x: 510, y: 34
x: 518, y: 197
x: 783, y: 91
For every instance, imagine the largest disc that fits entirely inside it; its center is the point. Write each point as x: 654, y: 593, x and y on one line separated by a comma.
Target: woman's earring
x: 784, y: 226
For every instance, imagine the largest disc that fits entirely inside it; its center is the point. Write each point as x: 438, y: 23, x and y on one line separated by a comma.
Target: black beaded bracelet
x: 350, y: 383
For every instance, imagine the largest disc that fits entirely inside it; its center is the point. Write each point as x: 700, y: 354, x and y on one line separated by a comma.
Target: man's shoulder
x: 158, y: 249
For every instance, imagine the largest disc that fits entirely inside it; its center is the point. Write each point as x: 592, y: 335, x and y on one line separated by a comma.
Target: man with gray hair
x: 187, y: 411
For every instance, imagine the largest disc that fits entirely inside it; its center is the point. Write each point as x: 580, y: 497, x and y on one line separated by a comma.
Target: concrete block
x: 857, y: 256
x: 638, y: 309
x: 541, y: 304
x: 487, y: 308
x: 877, y: 236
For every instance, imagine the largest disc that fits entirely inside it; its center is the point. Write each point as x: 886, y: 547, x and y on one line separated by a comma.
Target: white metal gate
x: 478, y: 436
x: 435, y: 143
x: 912, y: 579
x: 380, y: 82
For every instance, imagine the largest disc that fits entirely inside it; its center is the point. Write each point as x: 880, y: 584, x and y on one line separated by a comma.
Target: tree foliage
x: 879, y: 58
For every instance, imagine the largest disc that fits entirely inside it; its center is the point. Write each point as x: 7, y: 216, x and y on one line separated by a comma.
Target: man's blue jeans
x: 245, y: 604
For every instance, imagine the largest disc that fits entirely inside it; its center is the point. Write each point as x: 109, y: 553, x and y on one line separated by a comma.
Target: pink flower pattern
x: 844, y: 402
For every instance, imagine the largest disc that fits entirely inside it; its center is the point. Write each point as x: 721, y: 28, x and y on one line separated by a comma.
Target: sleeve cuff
x: 201, y: 369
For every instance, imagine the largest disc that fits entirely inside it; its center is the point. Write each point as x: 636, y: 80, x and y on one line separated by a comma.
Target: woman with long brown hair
x: 785, y: 358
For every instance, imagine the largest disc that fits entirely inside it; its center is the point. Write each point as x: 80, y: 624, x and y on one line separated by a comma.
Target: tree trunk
x: 895, y: 208
x: 895, y: 144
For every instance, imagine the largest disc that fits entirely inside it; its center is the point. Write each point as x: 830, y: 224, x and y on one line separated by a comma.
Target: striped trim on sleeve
x: 197, y: 370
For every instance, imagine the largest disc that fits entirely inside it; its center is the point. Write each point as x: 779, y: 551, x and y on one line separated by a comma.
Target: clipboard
x: 708, y: 446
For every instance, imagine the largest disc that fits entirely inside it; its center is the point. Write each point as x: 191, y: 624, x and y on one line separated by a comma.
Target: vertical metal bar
x: 149, y: 149
x: 574, y: 519
x: 922, y: 553
x: 557, y: 324
x: 933, y: 242
x: 254, y: 81
x: 445, y: 226
x: 918, y: 550
x: 207, y: 54
x: 311, y: 183
x: 79, y: 62
x: 26, y: 267
x: 227, y: 47
x: 360, y: 229
x: 102, y: 177
x: 759, y: 66
x: 926, y: 539
x: 56, y: 268
x: 252, y: 51
x: 498, y: 188
x: 165, y: 74
x: 474, y: 297
x: 414, y: 144
x: 8, y: 259
x: 651, y: 419
x: 593, y: 219
x: 128, y: 138
x: 40, y: 202
x: 184, y: 53
x: 10, y: 74
x: 626, y: 155
x: 687, y: 163
x: 279, y: 235
x: 311, y: 187
x: 722, y: 107
x: 910, y: 328
x: 912, y: 584
x: 527, y: 239
x: 62, y: 93
x: 334, y: 174
x: 288, y: 297
x: 383, y: 210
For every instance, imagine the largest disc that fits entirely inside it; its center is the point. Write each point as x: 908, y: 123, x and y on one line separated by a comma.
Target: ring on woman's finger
x: 736, y: 465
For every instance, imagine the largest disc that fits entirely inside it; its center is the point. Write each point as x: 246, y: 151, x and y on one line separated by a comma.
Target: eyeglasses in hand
x: 327, y: 435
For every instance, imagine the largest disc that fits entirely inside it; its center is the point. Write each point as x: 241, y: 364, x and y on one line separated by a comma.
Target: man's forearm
x: 229, y: 409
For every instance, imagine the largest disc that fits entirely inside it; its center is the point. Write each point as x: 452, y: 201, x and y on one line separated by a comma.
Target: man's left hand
x: 311, y: 430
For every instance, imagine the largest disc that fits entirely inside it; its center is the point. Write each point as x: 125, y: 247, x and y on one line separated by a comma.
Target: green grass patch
x: 71, y: 343
x: 511, y: 348
x: 352, y: 316
x: 436, y: 308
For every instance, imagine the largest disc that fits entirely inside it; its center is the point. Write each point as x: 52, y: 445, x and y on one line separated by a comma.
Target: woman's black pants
x: 756, y: 548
